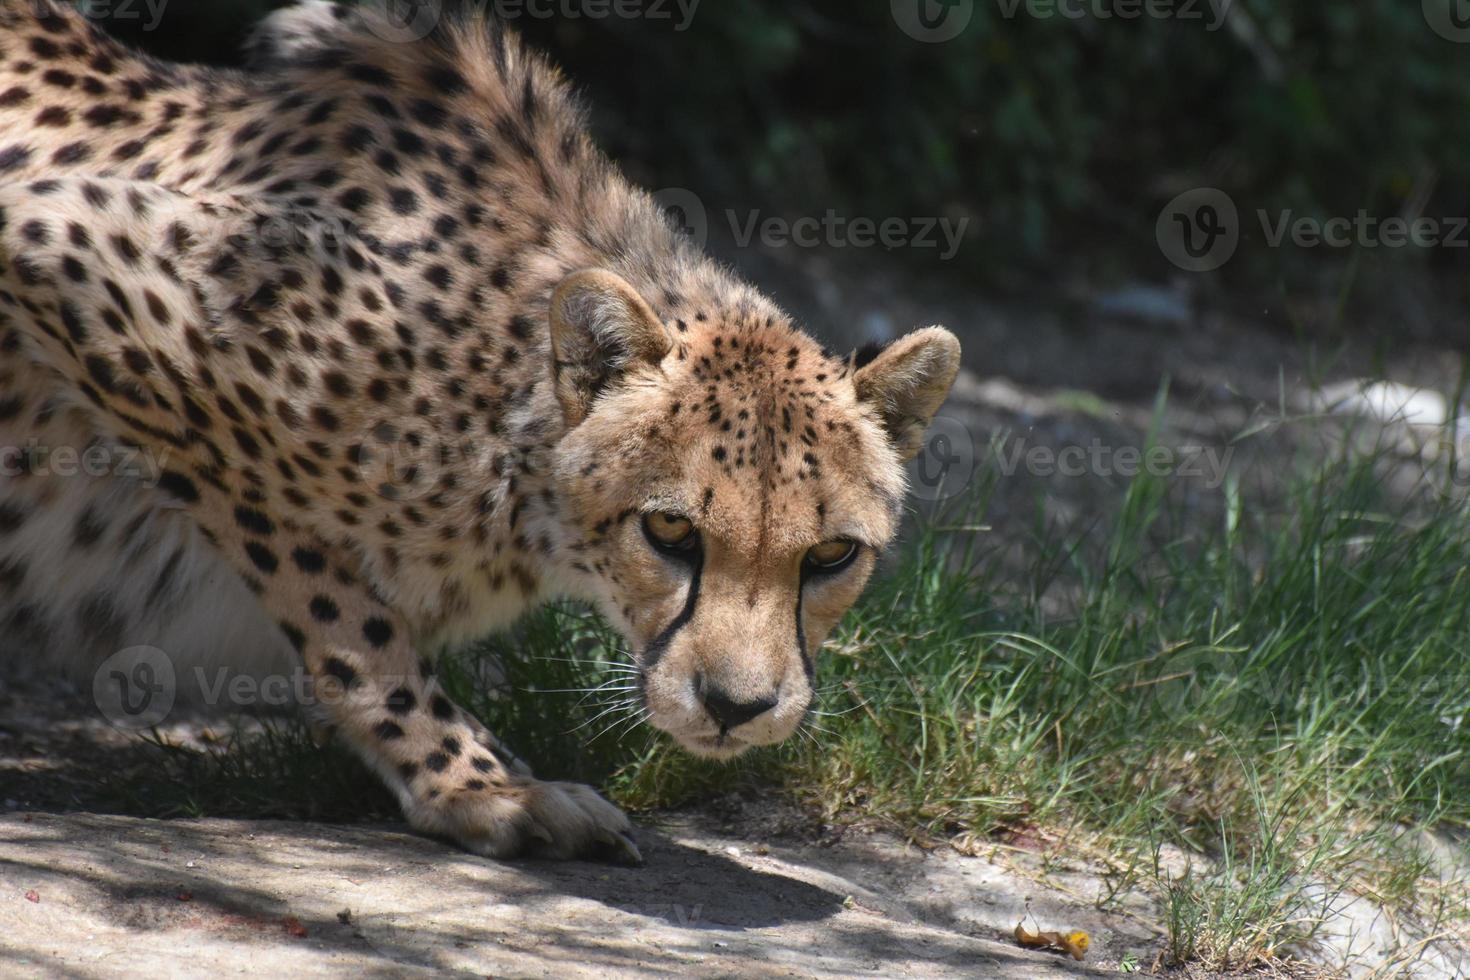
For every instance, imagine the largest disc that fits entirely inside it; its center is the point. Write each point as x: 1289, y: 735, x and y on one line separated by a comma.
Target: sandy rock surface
x: 89, y: 896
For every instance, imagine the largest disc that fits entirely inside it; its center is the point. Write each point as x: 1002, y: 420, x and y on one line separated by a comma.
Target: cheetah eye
x: 831, y: 556
x: 670, y: 532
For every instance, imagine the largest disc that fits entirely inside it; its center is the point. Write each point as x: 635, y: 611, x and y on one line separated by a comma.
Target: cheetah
x: 406, y: 356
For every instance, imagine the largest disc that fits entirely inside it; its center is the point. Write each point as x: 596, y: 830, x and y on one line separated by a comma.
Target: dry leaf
x: 1075, y: 943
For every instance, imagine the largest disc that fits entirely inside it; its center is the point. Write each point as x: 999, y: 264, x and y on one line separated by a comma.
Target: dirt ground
x: 88, y: 895
x: 731, y: 890
x: 738, y: 888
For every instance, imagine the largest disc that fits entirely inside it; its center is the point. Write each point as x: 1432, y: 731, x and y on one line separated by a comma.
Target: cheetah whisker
x: 613, y: 708
x: 623, y: 725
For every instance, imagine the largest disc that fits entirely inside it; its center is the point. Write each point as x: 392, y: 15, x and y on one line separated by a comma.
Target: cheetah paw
x: 531, y: 818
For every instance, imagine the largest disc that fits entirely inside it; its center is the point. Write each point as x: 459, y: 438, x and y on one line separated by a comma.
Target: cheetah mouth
x: 720, y: 746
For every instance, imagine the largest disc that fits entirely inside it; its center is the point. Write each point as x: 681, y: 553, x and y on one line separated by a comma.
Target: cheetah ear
x: 907, y: 382
x: 600, y: 329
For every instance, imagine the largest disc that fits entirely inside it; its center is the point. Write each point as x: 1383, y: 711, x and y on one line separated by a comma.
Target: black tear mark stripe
x: 806, y: 658
x: 660, y: 644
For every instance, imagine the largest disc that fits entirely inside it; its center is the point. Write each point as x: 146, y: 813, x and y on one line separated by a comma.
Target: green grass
x: 1278, y: 691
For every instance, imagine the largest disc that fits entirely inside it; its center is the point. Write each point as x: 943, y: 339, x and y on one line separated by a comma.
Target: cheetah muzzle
x: 408, y: 356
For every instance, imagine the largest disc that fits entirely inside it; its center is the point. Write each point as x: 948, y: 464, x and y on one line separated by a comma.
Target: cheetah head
x: 733, y: 486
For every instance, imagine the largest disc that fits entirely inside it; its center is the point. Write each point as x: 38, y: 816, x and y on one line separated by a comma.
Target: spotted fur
x: 403, y: 355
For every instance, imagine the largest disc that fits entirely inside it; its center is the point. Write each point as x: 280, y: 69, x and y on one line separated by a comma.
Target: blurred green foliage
x: 1041, y: 125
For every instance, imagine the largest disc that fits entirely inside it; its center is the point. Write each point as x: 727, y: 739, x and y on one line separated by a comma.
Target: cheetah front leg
x: 450, y: 774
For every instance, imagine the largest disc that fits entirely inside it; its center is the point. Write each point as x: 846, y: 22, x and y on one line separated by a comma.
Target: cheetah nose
x: 731, y: 713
